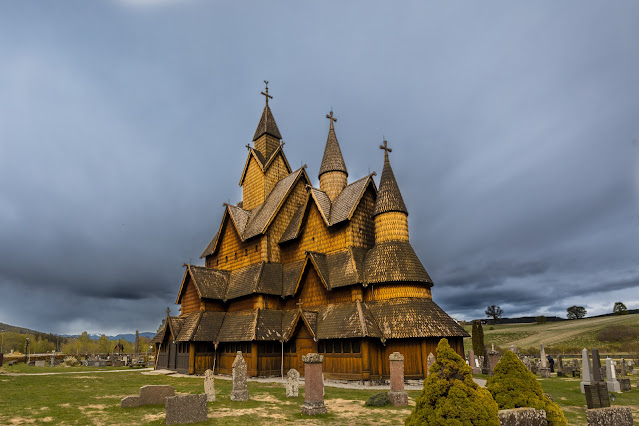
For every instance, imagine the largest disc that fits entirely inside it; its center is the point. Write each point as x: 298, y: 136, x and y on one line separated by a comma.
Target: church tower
x: 332, y: 174
x: 391, y: 215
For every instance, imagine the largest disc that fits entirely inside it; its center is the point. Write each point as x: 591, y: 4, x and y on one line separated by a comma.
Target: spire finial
x: 331, y: 118
x: 266, y: 95
x: 168, y: 310
x: 386, y: 149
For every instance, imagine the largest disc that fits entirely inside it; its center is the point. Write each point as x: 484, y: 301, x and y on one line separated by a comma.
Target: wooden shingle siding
x: 392, y: 291
x: 190, y: 299
x: 332, y: 183
x: 361, y: 232
x: 391, y: 226
x: 233, y: 253
x: 253, y: 189
x: 294, y: 201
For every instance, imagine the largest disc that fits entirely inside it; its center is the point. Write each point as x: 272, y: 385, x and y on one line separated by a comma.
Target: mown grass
x: 94, y: 398
x: 23, y: 368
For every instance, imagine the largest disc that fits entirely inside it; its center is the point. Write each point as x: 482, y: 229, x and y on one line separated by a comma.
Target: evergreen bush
x: 478, y: 338
x: 451, y: 397
x: 378, y: 400
x: 513, y: 386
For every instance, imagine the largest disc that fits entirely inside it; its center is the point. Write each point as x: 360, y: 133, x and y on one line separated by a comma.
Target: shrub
x: 478, y: 338
x: 513, y: 386
x: 541, y: 319
x: 450, y: 396
x: 378, y: 400
x: 70, y: 361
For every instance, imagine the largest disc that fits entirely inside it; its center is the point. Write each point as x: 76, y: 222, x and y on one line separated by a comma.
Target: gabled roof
x: 413, y: 317
x: 189, y: 325
x: 333, y: 161
x: 346, y: 320
x: 209, y: 327
x: 249, y: 224
x: 210, y: 283
x: 265, y: 278
x: 267, y: 125
x: 269, y: 324
x: 337, y: 211
x: 394, y: 261
x: 264, y: 163
x: 389, y: 198
x: 238, y: 326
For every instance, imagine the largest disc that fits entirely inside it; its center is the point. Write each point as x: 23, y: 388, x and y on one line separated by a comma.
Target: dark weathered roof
x: 289, y: 321
x: 389, y: 198
x: 413, y: 317
x: 393, y: 261
x: 158, y: 337
x: 345, y: 267
x: 333, y: 161
x: 191, y: 321
x: 267, y: 125
x: 269, y: 325
x: 238, y: 326
x: 345, y: 320
x: 291, y: 274
x: 294, y: 226
x: 323, y: 203
x: 265, y: 278
x: 209, y: 327
x: 210, y: 283
x: 175, y: 325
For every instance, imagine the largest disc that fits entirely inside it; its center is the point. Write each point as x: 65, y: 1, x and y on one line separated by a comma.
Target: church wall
x: 295, y: 200
x: 276, y: 171
x: 315, y: 236
x: 253, y: 187
x: 232, y: 253
x: 212, y: 305
x: 266, y: 144
x: 391, y: 226
x: 190, y: 299
x: 361, y: 228
x: 242, y: 303
x: 313, y: 293
x: 332, y: 183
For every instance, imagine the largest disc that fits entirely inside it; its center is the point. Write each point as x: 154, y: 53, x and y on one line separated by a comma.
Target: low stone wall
x: 186, y: 409
x: 522, y: 417
x: 618, y: 416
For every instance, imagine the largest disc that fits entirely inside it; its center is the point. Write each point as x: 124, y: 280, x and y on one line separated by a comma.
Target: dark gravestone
x: 597, y: 395
x: 624, y: 385
x: 596, y: 367
x: 485, y: 367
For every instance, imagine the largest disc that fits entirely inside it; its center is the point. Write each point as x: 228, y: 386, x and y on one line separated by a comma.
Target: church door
x: 172, y: 356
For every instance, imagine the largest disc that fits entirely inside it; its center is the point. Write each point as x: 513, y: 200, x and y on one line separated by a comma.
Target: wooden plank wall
x: 232, y: 252
x: 190, y: 299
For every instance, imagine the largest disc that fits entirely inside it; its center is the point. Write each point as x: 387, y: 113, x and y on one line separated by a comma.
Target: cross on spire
x: 266, y: 95
x: 331, y: 118
x: 386, y: 149
x: 248, y: 146
x: 299, y: 304
x: 168, y: 310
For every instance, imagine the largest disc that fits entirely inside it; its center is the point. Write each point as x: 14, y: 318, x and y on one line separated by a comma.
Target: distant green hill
x: 615, y: 333
x: 13, y: 329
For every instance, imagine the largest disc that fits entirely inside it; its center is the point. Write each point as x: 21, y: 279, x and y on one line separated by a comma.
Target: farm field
x: 93, y: 398
x: 562, y: 336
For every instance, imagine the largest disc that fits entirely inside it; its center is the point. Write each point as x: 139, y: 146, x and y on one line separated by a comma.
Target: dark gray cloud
x: 122, y: 127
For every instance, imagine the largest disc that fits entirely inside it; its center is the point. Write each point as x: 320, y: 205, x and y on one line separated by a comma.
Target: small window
x: 320, y: 347
x: 329, y: 347
x: 255, y: 248
x: 355, y: 346
x: 235, y: 255
x: 245, y: 252
x: 227, y: 259
x: 346, y: 346
x: 337, y: 347
x: 217, y: 262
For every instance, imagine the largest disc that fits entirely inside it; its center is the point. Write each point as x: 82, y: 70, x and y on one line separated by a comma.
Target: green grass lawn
x: 94, y: 398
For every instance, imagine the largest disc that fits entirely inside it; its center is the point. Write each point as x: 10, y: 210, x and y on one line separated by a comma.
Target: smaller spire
x: 333, y: 161
x: 389, y: 198
x: 267, y: 121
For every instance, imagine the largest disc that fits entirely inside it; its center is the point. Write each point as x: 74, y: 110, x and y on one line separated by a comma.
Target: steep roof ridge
x: 267, y: 125
x: 262, y: 162
x: 332, y: 161
x: 389, y: 198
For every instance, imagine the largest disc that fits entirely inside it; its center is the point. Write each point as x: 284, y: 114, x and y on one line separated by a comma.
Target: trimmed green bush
x: 478, y: 338
x: 378, y: 400
x: 451, y: 397
x: 513, y: 386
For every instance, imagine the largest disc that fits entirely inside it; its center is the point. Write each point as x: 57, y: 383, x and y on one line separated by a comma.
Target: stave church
x: 295, y: 269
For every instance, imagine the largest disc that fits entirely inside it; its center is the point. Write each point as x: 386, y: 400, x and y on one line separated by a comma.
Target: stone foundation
x: 522, y: 417
x: 617, y: 416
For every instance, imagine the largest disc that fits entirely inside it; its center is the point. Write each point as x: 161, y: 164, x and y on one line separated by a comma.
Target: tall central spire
x: 389, y: 199
x: 332, y: 174
x: 267, y: 121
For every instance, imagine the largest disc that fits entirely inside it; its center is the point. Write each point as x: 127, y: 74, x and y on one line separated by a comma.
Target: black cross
x: 266, y: 95
x: 385, y: 148
x: 330, y: 117
x: 248, y: 146
x: 168, y: 310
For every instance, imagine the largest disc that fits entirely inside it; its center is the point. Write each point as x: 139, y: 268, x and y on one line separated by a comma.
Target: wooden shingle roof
x: 389, y: 198
x: 332, y: 161
x: 188, y: 327
x: 394, y: 261
x: 267, y: 125
x: 209, y: 327
x: 345, y: 320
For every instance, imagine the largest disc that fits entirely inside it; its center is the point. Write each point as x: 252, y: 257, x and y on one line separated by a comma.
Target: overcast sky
x: 514, y: 128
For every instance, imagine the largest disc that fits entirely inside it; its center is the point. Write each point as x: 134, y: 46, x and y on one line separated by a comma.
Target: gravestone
x: 624, y: 385
x: 397, y: 395
x: 209, y: 385
x: 527, y: 363
x: 313, y: 385
x: 597, y: 395
x: 472, y: 362
x: 522, y: 417
x: 617, y: 416
x: 149, y: 395
x: 182, y: 409
x: 611, y: 376
x: 596, y: 366
x: 493, y: 359
x: 429, y: 361
x: 52, y: 361
x: 240, y: 391
x: 485, y: 367
x: 292, y: 383
x: 514, y: 349
x: 623, y: 367
x: 544, y: 369
x: 40, y: 364
x: 586, y: 375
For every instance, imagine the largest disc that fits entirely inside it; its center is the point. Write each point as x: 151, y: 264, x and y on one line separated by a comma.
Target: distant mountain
x: 129, y: 337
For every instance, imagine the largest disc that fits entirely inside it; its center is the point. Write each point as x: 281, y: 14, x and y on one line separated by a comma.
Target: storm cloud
x: 514, y: 130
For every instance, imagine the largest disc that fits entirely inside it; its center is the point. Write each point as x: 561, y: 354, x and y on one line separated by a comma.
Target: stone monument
x: 209, y: 386
x: 240, y: 391
x: 493, y: 359
x: 292, y: 383
x: 544, y: 370
x: 611, y: 377
x: 397, y: 395
x: 182, y: 409
x: 313, y: 385
x: 430, y: 361
x: 472, y: 362
x: 586, y: 373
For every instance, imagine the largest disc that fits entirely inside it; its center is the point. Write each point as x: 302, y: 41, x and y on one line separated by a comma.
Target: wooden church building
x: 295, y: 269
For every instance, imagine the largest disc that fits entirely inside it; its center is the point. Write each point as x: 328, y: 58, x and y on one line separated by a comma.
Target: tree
x: 450, y: 396
x: 541, y: 319
x: 513, y: 386
x: 620, y: 309
x: 576, y: 312
x: 478, y: 338
x: 494, y: 312
x: 85, y: 342
x: 104, y: 345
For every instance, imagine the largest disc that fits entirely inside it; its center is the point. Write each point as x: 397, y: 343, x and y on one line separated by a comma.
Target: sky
x: 514, y: 128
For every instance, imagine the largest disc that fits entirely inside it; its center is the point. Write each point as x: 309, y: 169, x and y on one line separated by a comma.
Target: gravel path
x: 77, y: 372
